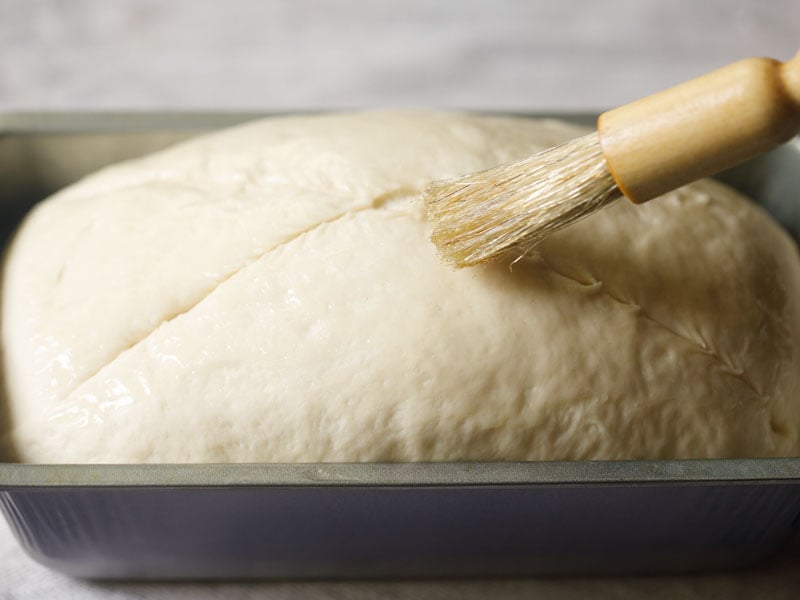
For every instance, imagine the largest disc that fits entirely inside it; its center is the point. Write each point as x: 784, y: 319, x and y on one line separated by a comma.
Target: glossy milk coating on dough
x: 269, y: 293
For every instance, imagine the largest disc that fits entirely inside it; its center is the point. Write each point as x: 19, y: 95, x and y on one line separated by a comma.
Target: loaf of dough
x: 269, y: 293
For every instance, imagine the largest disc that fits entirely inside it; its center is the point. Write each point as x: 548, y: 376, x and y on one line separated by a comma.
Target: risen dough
x: 269, y: 293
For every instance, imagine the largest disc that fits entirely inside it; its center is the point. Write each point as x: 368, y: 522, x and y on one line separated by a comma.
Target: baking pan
x: 375, y: 520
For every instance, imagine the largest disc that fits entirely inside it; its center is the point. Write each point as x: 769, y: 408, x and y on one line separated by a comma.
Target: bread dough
x: 269, y: 293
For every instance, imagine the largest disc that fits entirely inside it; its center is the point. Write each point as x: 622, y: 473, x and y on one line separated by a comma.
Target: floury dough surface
x: 269, y: 293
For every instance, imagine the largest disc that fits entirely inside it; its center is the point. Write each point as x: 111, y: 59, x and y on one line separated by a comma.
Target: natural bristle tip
x: 484, y: 216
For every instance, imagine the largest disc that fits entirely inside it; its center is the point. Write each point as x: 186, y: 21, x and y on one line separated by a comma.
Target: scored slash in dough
x: 269, y: 293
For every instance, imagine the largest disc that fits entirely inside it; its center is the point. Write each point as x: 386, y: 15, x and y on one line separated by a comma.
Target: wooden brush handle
x: 701, y: 127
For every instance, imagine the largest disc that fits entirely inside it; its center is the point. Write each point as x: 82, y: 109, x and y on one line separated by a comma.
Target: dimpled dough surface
x: 269, y: 293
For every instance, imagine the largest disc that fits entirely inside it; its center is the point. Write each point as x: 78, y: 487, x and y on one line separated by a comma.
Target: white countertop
x: 290, y: 55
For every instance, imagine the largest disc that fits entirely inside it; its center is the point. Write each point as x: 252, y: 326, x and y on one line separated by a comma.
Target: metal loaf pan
x: 375, y: 520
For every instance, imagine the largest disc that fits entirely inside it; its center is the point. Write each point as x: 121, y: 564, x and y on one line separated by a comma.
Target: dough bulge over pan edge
x: 268, y: 293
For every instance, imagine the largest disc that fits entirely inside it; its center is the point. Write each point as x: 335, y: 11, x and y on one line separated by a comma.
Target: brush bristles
x: 512, y: 207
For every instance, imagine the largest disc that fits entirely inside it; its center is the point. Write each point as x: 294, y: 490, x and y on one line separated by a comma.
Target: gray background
x: 282, y: 55
x: 491, y: 54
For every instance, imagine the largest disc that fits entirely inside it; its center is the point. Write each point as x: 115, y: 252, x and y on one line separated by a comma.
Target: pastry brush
x: 639, y: 151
